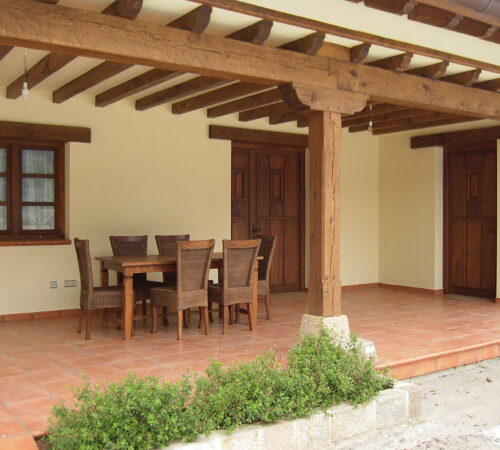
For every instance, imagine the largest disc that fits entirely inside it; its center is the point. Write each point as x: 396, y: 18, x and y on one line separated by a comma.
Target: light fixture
x: 25, y: 91
x: 370, y: 123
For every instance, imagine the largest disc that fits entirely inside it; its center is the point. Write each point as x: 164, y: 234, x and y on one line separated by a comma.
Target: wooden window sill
x: 35, y: 242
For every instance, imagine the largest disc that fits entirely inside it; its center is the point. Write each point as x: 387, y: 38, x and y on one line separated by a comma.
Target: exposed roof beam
x: 253, y: 101
x: 399, y: 63
x: 309, y: 44
x: 264, y: 111
x: 472, y: 136
x: 490, y: 85
x: 464, y: 78
x: 4, y: 50
x: 277, y: 117
x: 256, y: 33
x: 433, y: 71
x: 87, y: 33
x: 290, y: 19
x: 379, y: 118
x: 195, y: 21
x: 359, y: 52
x: 52, y: 62
x: 446, y: 120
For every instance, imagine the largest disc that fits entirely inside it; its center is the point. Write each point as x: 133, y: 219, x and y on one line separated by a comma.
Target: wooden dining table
x: 130, y: 265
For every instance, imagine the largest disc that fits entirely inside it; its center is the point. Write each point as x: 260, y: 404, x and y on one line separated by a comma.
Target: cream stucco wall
x: 151, y: 173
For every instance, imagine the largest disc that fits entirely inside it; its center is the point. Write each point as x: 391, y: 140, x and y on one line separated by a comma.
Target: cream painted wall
x: 154, y: 172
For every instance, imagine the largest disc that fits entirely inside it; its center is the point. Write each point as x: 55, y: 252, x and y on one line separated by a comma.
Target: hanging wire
x: 25, y: 91
x: 370, y: 123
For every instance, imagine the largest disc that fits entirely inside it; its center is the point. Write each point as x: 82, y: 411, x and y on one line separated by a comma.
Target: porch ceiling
x: 111, y: 81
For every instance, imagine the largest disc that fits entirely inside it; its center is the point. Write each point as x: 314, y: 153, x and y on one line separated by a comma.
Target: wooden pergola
x: 318, y: 84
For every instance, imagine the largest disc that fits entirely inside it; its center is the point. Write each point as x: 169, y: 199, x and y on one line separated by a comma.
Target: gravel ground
x: 460, y: 410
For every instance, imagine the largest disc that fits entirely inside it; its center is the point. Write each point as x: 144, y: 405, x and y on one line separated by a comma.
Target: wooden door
x: 267, y: 198
x: 470, y: 207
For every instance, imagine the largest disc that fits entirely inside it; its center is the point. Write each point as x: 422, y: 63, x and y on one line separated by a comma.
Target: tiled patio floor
x: 415, y: 333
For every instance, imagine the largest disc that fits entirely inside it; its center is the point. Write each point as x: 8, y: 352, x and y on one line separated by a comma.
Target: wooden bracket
x: 302, y: 97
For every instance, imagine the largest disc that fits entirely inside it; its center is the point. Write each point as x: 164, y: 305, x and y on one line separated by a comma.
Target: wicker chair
x: 92, y: 298
x: 135, y: 246
x: 267, y: 246
x: 236, y: 287
x: 193, y: 265
x: 167, y: 245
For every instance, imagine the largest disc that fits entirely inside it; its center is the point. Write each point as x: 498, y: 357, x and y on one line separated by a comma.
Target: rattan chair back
x: 167, y: 244
x: 85, y: 267
x: 267, y: 247
x: 193, y: 264
x: 129, y: 245
x: 239, y: 260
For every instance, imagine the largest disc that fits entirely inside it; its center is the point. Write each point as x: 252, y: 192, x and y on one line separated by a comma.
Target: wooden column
x: 324, y: 213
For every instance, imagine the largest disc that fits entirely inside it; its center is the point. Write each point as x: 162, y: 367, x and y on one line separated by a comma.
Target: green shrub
x: 142, y: 413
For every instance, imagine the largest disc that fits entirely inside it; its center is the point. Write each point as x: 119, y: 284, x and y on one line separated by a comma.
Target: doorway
x: 267, y: 198
x: 470, y: 220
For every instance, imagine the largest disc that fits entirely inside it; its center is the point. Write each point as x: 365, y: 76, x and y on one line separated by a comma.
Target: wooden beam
x: 359, y: 52
x: 4, y: 50
x: 324, y: 293
x: 257, y: 136
x: 256, y: 33
x: 399, y: 63
x: 91, y: 78
x: 399, y: 7
x: 309, y: 45
x: 195, y: 21
x: 490, y: 85
x: 53, y: 62
x: 381, y: 118
x: 417, y: 126
x: 315, y: 25
x: 433, y: 71
x: 87, y: 33
x: 275, y: 118
x: 243, y: 104
x: 264, y: 111
x: 464, y: 78
x: 39, y: 132
x: 466, y: 136
x: 303, y: 96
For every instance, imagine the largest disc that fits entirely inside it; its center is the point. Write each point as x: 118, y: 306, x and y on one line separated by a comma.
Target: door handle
x: 255, y: 229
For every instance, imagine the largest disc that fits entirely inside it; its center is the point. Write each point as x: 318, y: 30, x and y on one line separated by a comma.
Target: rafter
x: 432, y: 123
x: 87, y: 33
x: 256, y: 33
x: 490, y: 85
x: 464, y: 78
x: 195, y: 21
x: 4, y: 50
x: 309, y: 44
x: 243, y: 104
x: 53, y: 62
x: 264, y: 111
x: 433, y: 71
x: 359, y: 52
x: 399, y: 63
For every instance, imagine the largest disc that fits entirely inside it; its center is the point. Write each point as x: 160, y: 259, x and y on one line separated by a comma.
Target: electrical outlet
x: 70, y: 283
x: 53, y: 284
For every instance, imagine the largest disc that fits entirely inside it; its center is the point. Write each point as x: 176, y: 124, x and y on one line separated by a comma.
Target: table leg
x: 254, y: 304
x: 104, y: 276
x: 128, y: 293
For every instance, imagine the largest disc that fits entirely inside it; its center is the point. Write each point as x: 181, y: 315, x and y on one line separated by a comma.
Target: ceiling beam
x: 359, y: 52
x: 399, y: 63
x: 433, y: 71
x: 264, y: 111
x: 379, y: 118
x: 417, y: 126
x: 111, y: 38
x: 257, y: 136
x: 489, y: 85
x: 53, y: 62
x: 256, y: 33
x: 4, y: 50
x: 309, y: 44
x: 466, y: 136
x: 315, y: 25
x: 253, y: 101
x: 464, y: 78
x: 195, y: 21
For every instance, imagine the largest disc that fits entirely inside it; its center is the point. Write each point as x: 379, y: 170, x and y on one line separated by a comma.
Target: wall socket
x: 53, y: 284
x: 69, y: 283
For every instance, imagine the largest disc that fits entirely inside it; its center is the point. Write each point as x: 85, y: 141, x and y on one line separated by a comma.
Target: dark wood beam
x: 257, y: 136
x: 4, y: 50
x: 399, y: 7
x: 256, y: 33
x: 275, y: 118
x: 264, y: 111
x: 385, y: 117
x: 359, y: 52
x: 243, y: 104
x: 418, y: 126
x: 315, y: 25
x: 399, y: 63
x: 464, y: 78
x: 309, y: 44
x: 450, y: 138
x: 88, y: 33
x: 490, y: 85
x: 303, y: 122
x: 53, y: 62
x: 195, y: 21
x: 433, y: 71
x: 39, y: 132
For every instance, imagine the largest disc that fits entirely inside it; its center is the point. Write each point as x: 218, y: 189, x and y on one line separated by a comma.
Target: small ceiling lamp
x: 25, y: 91
x: 370, y: 123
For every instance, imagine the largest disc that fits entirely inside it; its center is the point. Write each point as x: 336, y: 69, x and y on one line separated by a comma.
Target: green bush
x: 142, y: 413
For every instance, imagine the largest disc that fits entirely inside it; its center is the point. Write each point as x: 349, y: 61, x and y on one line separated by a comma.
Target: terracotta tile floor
x: 414, y: 333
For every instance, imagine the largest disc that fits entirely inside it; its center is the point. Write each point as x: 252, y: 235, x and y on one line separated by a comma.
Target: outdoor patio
x: 413, y: 332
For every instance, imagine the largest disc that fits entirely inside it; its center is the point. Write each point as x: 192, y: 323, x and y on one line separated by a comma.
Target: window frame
x: 15, y: 235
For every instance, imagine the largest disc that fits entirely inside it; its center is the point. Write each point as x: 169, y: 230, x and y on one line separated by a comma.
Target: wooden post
x: 128, y: 305
x: 324, y: 215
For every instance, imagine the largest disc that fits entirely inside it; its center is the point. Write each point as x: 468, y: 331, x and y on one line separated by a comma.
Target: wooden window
x: 31, y: 192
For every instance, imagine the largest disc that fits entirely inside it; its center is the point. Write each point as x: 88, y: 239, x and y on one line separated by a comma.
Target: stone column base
x: 338, y: 328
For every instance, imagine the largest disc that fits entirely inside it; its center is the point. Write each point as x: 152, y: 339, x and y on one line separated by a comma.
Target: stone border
x: 340, y: 424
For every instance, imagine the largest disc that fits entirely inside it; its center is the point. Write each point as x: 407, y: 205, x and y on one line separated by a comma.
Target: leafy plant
x: 142, y: 413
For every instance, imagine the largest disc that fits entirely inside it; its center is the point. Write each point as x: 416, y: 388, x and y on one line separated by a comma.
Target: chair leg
x: 179, y: 324
x: 250, y: 316
x: 231, y: 309
x: 154, y: 317
x: 204, y: 311
x: 225, y: 313
x: 89, y: 325
x: 210, y: 315
x: 145, y: 311
x: 199, y: 318
x: 237, y: 314
x: 165, y: 318
x: 267, y: 302
x: 80, y: 320
x: 187, y: 318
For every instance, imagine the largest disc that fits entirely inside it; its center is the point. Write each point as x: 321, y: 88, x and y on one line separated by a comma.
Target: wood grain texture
x: 253, y: 101
x: 456, y: 137
x: 399, y: 63
x: 257, y: 136
x: 47, y: 133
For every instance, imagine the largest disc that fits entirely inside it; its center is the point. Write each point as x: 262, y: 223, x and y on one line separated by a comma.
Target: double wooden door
x: 267, y: 198
x: 470, y: 200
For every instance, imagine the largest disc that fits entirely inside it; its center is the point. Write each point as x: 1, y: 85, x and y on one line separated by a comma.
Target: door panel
x: 271, y: 178
x: 470, y: 221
